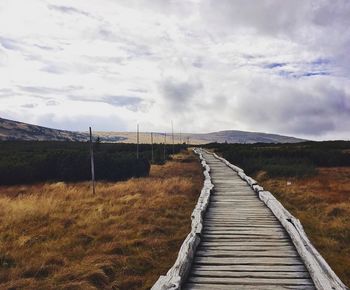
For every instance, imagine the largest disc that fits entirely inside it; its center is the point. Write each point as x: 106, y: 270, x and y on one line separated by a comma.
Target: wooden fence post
x: 92, y: 163
x: 152, y: 147
x: 137, y: 148
x: 164, y: 146
x: 172, y: 133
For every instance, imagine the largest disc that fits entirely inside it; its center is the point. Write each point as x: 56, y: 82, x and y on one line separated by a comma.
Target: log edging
x: 179, y: 271
x: 321, y: 273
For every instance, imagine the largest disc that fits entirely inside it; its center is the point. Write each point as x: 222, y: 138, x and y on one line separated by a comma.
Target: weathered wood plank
x: 244, y: 247
x: 249, y: 274
x: 243, y: 237
x: 245, y: 261
x: 252, y: 268
x: 203, y: 286
x: 235, y: 253
x: 267, y: 243
x: 251, y: 281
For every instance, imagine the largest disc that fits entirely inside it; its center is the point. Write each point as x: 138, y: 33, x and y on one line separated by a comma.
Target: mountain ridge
x: 14, y: 130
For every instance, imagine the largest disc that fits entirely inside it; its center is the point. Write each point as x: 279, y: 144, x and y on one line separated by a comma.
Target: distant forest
x: 285, y: 160
x: 24, y: 162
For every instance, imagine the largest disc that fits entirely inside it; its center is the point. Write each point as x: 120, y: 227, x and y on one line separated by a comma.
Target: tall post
x: 172, y: 133
x: 152, y: 147
x: 180, y: 137
x: 92, y: 163
x: 164, y: 153
x: 137, y: 146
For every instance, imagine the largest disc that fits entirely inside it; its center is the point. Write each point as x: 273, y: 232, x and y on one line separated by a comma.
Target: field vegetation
x: 312, y: 180
x: 32, y: 161
x: 60, y: 236
x: 322, y: 203
x: 285, y: 160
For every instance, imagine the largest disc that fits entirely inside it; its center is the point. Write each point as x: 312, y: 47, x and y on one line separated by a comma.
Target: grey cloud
x: 9, y: 43
x: 301, y: 74
x: 48, y: 90
x: 29, y: 105
x: 134, y: 47
x: 52, y: 103
x: 44, y: 47
x: 54, y: 69
x: 6, y: 93
x: 143, y: 91
x: 106, y: 59
x: 311, y: 110
x: 264, y: 15
x: 331, y: 13
x: 68, y: 10
x: 276, y: 17
x: 132, y: 103
x: 166, y: 7
x: 179, y: 93
x: 274, y: 65
x: 321, y: 26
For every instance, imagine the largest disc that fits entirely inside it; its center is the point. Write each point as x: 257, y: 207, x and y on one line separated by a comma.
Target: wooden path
x: 243, y: 245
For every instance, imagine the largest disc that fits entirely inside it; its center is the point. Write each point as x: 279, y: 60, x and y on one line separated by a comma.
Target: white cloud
x: 269, y: 65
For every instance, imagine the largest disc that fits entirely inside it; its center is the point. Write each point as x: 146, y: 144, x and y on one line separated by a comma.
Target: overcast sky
x: 265, y: 65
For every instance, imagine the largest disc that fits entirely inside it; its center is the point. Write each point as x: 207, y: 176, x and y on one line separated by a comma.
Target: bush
x: 286, y: 160
x: 27, y: 162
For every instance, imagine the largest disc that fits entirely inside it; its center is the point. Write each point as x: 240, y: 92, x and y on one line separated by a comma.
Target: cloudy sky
x: 264, y: 65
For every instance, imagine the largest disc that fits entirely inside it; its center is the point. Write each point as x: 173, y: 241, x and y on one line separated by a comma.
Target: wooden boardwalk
x: 243, y: 245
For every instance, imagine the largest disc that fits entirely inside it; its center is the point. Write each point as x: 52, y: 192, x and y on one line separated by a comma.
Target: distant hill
x: 230, y: 136
x: 13, y: 130
x: 234, y: 136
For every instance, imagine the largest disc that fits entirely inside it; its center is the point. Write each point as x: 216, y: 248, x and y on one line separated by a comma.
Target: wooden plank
x: 246, y: 243
x: 245, y: 261
x: 244, y: 248
x: 244, y: 240
x: 243, y: 220
x: 251, y: 268
x: 247, y: 236
x: 219, y: 226
x: 244, y: 232
x: 203, y: 286
x: 235, y: 253
x: 249, y: 274
x: 251, y: 281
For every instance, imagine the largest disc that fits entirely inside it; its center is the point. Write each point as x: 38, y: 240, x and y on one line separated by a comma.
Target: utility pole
x: 137, y: 146
x: 172, y: 133
x: 164, y: 152
x: 92, y: 163
x: 152, y: 147
x: 180, y: 137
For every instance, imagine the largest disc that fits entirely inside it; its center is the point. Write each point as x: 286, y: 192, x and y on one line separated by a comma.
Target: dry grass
x: 59, y: 236
x: 322, y: 203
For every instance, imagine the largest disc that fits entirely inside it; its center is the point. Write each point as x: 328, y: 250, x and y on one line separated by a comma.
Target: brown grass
x: 59, y: 236
x: 322, y: 203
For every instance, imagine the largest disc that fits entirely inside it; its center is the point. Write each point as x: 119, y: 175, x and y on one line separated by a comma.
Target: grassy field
x: 60, y: 236
x: 322, y: 203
